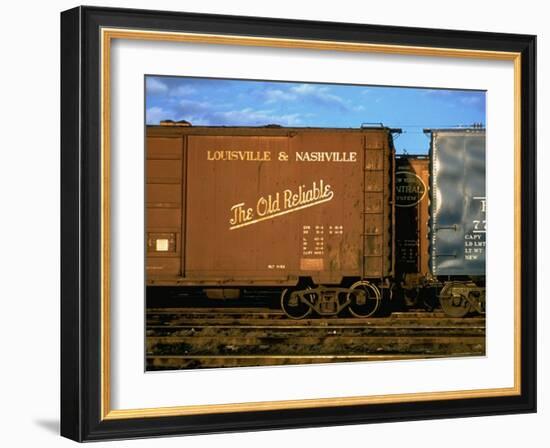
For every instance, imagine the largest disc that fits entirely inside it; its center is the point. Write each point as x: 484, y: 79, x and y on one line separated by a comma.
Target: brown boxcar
x: 412, y: 274
x: 412, y: 180
x: 265, y: 206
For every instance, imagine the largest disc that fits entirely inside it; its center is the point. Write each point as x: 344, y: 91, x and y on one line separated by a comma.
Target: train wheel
x: 454, y: 303
x: 369, y: 304
x: 294, y: 308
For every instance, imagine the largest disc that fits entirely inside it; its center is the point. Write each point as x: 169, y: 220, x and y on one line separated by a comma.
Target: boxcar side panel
x: 458, y: 202
x: 378, y: 200
x: 277, y: 214
x: 164, y: 211
x: 412, y: 214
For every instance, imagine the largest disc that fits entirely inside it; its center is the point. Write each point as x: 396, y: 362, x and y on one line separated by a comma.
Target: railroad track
x: 209, y: 338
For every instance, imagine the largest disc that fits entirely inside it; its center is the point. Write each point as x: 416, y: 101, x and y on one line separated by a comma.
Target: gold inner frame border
x: 107, y: 35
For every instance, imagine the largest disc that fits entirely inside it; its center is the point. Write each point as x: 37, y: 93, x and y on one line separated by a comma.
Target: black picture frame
x: 81, y: 363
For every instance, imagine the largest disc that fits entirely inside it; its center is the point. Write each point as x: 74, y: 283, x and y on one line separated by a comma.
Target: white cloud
x: 304, y: 89
x: 250, y: 116
x: 321, y: 95
x: 153, y: 85
x: 153, y: 115
x: 317, y: 94
x: 183, y: 91
x: 194, y: 107
x: 206, y: 113
x: 274, y: 95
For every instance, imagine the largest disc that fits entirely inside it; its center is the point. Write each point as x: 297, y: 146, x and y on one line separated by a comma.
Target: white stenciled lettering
x: 306, y: 195
x: 280, y: 203
x: 239, y: 156
x: 232, y: 155
x: 329, y: 156
x: 268, y: 205
x: 240, y: 214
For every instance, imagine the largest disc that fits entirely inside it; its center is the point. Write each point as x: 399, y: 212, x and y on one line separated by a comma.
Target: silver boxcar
x: 458, y: 204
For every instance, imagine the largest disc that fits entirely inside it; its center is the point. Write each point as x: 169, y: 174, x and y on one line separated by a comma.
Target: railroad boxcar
x: 412, y: 183
x: 458, y: 218
x: 306, y: 210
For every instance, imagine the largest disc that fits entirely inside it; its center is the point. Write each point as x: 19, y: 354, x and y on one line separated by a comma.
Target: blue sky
x: 224, y: 102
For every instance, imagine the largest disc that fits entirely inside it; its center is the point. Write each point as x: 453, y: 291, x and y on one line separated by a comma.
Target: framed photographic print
x: 273, y: 223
